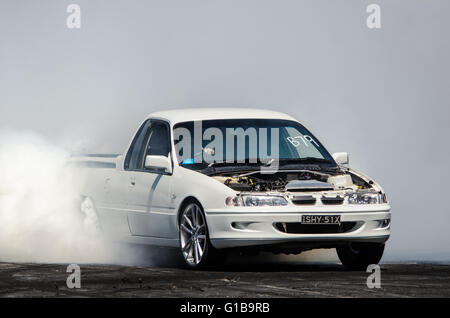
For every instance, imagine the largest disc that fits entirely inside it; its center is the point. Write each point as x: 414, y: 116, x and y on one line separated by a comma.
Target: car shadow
x: 264, y: 262
x: 280, y: 267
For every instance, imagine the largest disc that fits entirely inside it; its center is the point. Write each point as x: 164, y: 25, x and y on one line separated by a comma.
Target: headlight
x: 366, y: 198
x: 256, y: 200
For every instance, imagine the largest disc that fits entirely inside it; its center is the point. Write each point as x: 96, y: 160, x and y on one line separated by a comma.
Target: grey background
x: 382, y: 95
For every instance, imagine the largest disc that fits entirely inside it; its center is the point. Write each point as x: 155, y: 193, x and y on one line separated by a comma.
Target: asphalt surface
x: 238, y: 280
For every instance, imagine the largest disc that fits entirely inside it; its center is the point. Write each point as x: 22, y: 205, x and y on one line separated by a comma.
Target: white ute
x: 209, y: 180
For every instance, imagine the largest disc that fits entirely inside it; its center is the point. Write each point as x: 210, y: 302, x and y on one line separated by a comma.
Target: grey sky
x: 382, y: 95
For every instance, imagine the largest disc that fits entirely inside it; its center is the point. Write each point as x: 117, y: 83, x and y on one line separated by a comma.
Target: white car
x: 209, y: 180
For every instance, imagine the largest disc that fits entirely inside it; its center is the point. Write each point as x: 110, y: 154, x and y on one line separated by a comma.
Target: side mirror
x: 158, y: 163
x: 341, y: 158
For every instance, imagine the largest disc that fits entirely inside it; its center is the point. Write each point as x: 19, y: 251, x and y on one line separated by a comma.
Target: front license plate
x: 321, y: 219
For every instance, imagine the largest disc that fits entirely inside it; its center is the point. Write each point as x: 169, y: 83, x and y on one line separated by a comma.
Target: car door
x: 112, y: 211
x: 150, y: 207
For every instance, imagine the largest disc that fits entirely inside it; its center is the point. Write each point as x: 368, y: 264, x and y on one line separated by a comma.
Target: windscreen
x: 201, y: 143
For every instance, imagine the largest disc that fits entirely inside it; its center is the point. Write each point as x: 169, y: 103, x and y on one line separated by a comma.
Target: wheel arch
x: 183, y: 203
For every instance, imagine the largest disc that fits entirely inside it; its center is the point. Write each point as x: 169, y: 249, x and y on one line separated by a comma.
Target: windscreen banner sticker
x: 306, y: 139
x: 189, y: 161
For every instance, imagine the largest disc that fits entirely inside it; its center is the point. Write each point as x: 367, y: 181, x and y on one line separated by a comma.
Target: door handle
x: 132, y: 182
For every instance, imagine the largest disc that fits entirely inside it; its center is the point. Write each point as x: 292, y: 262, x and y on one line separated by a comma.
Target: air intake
x: 299, y: 228
x: 304, y: 200
x: 332, y: 200
x: 308, y: 185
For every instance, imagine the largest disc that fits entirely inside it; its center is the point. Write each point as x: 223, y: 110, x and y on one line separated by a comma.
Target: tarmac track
x: 238, y: 280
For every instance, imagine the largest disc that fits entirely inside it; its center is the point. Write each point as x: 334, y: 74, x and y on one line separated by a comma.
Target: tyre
x: 357, y: 256
x: 196, y: 249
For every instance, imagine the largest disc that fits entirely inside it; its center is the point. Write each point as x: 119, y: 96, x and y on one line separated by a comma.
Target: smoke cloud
x: 40, y: 215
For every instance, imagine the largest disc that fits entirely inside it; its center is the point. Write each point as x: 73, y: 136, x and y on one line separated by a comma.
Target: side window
x: 135, y: 154
x: 158, y: 143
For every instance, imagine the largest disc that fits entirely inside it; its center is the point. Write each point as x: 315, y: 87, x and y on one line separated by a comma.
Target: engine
x: 303, y: 181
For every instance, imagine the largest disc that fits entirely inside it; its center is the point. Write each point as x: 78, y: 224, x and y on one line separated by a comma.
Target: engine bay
x: 294, y: 181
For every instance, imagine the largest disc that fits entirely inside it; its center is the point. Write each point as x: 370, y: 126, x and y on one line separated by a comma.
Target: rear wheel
x: 358, y: 256
x: 196, y: 248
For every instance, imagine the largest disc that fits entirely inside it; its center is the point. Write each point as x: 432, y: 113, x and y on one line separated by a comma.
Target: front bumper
x: 255, y: 226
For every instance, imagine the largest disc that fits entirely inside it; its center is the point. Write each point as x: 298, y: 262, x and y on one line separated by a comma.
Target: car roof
x: 175, y: 116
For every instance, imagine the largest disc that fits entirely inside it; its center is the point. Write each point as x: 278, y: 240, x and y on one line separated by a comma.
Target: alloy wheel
x: 193, y: 234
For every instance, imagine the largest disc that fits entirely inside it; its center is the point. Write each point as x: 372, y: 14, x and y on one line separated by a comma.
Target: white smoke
x: 40, y: 215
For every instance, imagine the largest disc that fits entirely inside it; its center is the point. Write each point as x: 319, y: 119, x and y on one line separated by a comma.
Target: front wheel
x: 358, y: 256
x: 196, y: 248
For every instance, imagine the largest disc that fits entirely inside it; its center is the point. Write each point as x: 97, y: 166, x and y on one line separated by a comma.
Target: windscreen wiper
x: 224, y: 166
x: 305, y: 160
x: 247, y: 162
